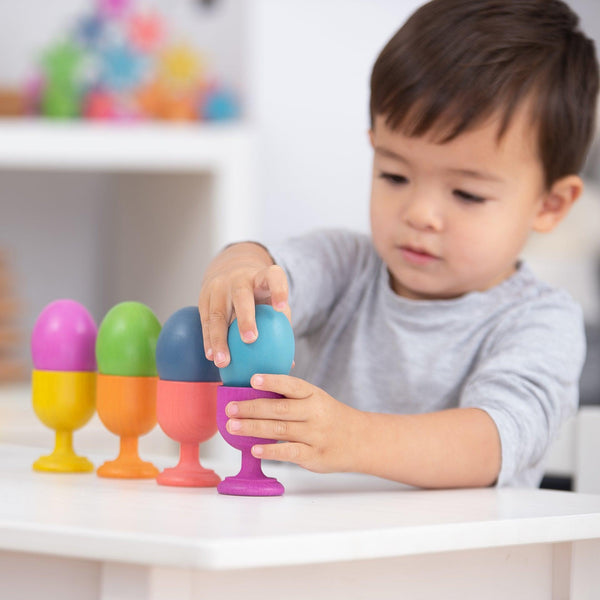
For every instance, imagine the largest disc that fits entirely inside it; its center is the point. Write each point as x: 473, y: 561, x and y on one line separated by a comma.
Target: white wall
x: 310, y: 70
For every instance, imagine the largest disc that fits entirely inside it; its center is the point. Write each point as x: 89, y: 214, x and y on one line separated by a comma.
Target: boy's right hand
x: 240, y: 277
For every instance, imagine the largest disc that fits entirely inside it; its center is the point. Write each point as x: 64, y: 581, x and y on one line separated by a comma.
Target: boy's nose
x: 422, y: 212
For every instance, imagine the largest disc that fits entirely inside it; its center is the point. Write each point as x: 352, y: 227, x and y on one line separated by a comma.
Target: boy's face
x: 452, y: 218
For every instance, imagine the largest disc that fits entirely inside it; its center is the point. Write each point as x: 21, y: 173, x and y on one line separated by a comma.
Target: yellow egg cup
x: 64, y: 401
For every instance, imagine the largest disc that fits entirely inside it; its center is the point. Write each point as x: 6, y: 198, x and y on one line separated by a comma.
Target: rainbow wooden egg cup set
x: 137, y: 373
x: 187, y: 397
x: 63, y: 382
x: 272, y: 352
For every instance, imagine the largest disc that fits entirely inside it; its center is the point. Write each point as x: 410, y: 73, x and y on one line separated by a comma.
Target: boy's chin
x: 421, y: 291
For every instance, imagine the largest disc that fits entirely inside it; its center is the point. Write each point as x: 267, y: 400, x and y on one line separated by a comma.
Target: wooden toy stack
x: 12, y: 363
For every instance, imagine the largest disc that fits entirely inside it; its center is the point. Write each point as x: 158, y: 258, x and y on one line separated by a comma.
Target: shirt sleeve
x: 319, y: 268
x: 527, y: 379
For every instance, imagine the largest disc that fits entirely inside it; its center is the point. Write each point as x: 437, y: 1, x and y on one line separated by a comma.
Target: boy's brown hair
x: 455, y: 63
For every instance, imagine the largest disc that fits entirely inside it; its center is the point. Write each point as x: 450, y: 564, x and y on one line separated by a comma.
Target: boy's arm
x: 452, y: 448
x: 239, y: 277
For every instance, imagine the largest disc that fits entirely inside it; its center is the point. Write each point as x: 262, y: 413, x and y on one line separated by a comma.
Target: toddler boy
x: 428, y: 353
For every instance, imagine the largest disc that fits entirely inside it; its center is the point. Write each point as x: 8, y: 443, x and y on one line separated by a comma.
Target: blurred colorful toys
x: 64, y: 379
x: 118, y: 63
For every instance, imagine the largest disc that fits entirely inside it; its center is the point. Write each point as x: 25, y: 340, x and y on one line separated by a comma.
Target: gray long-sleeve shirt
x: 515, y: 351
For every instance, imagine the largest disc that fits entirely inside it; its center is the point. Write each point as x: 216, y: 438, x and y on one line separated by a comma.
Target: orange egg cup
x: 127, y: 407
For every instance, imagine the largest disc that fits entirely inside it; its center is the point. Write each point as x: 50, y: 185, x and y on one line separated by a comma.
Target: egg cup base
x: 61, y: 462
x: 188, y: 477
x: 238, y: 485
x: 129, y: 468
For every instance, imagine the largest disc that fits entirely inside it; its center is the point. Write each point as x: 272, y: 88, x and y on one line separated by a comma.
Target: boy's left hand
x: 319, y: 433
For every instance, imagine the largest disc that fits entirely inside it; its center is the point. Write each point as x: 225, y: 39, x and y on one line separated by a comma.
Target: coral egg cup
x: 187, y: 413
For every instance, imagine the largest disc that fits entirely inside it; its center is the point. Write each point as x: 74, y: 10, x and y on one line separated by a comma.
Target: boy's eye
x: 393, y: 178
x: 467, y: 197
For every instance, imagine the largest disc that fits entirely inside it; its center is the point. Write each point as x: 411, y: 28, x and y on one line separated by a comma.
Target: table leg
x: 121, y: 581
x: 585, y: 570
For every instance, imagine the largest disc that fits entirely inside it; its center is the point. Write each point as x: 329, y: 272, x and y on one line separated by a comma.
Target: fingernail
x: 257, y: 451
x: 209, y: 354
x: 281, y: 305
x: 234, y: 425
x: 258, y: 380
x: 249, y: 336
x: 220, y: 359
x: 232, y: 409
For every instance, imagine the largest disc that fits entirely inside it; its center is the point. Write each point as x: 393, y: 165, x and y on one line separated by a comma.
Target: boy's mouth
x: 416, y: 255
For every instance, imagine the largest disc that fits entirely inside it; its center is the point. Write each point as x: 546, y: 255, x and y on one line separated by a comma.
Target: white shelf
x: 201, y: 196
x: 84, y: 145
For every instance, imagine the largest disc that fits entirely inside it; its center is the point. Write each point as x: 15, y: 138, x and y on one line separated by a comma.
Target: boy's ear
x: 371, y: 137
x: 557, y: 202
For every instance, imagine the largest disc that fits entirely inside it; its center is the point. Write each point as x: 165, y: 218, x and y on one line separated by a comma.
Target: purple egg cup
x: 250, y: 481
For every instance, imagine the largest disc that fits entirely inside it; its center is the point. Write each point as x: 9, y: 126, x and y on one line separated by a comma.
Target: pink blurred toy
x: 100, y: 105
x: 113, y: 8
x: 146, y: 31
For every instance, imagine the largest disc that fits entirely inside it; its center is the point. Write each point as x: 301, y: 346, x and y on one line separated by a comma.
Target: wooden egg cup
x: 187, y: 413
x: 127, y: 407
x: 250, y: 481
x: 63, y: 401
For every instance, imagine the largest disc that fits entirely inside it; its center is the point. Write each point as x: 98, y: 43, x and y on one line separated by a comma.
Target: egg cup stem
x: 128, y: 448
x: 251, y: 466
x: 63, y: 458
x: 128, y: 465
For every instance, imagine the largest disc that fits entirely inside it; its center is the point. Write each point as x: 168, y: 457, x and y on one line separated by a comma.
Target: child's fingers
x: 217, y: 324
x: 242, y: 296
x: 203, y: 309
x: 291, y: 387
x: 293, y: 452
x: 289, y: 431
x: 271, y: 283
x: 267, y: 408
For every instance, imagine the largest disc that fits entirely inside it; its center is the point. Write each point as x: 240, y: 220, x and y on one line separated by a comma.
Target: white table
x: 330, y: 536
